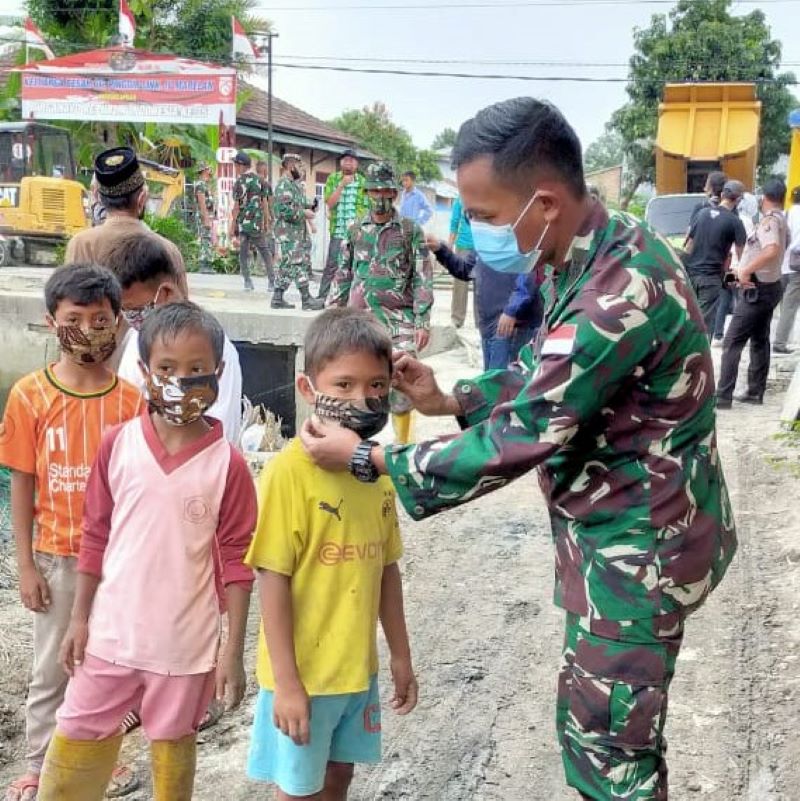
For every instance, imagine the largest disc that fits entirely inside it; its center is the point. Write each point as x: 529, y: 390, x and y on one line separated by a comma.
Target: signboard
x: 126, y: 85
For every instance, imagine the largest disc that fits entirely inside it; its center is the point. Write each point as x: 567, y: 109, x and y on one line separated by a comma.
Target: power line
x: 493, y: 6
x: 497, y: 77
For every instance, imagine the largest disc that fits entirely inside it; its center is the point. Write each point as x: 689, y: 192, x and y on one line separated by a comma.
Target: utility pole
x: 270, y: 37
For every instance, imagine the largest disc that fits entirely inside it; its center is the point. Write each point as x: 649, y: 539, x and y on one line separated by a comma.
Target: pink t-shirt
x: 164, y: 532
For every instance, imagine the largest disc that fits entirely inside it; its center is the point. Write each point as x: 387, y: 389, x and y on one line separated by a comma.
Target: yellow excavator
x: 42, y: 204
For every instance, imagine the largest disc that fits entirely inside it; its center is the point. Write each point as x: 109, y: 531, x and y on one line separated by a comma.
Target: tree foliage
x: 606, y: 151
x: 700, y: 40
x: 374, y: 128
x: 444, y: 139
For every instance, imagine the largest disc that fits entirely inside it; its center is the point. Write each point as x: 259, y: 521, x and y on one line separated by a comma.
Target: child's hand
x: 291, y: 712
x: 406, y: 689
x: 231, y: 681
x: 73, y: 646
x: 33, y: 589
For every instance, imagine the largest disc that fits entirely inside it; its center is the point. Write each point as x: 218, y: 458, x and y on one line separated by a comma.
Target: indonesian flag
x: 127, y: 24
x: 241, y: 45
x: 34, y: 39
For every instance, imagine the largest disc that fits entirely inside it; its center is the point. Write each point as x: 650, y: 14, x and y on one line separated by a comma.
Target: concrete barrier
x: 269, y: 341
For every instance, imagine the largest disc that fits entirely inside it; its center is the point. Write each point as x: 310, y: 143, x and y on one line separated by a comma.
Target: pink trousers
x: 101, y: 693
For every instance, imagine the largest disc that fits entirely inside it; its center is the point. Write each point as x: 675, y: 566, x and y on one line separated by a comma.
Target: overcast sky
x: 595, y: 31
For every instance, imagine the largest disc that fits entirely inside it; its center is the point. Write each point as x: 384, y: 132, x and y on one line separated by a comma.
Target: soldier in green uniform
x: 250, y: 218
x: 385, y: 267
x: 291, y: 235
x: 204, y: 204
x: 614, y: 405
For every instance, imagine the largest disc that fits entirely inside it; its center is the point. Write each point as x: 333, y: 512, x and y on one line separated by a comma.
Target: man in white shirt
x: 790, y: 302
x: 149, y: 279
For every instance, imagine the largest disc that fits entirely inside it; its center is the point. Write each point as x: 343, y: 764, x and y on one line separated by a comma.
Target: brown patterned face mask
x: 85, y: 347
x: 181, y: 401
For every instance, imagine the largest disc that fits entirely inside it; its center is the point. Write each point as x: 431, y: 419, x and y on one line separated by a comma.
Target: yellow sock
x: 402, y: 423
x: 78, y: 770
x: 173, y: 768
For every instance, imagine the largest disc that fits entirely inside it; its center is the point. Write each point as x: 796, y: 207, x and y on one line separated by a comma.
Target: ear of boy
x: 303, y: 384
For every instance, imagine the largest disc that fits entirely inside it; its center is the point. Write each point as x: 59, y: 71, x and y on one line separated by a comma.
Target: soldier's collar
x: 582, y: 248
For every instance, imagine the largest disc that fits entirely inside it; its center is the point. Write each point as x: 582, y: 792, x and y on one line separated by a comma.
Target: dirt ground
x: 487, y: 639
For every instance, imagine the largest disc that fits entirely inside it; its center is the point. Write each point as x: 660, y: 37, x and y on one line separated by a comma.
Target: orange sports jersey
x: 54, y: 433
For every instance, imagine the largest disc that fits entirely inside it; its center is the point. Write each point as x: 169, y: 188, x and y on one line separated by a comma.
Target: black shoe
x: 746, y: 397
x: 309, y: 303
x: 724, y: 403
x: 782, y: 349
x: 278, y: 302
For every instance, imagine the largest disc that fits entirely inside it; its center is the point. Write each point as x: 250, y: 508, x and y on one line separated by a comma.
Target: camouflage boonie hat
x: 380, y: 176
x: 203, y: 167
x: 290, y: 157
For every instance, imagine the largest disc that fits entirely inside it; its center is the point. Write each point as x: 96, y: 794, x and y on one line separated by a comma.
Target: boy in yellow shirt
x: 326, y: 550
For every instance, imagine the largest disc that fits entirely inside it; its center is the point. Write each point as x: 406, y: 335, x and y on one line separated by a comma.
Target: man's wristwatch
x: 360, y: 464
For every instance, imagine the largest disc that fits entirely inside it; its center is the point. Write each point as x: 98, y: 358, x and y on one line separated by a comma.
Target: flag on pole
x: 35, y: 41
x: 127, y: 24
x: 242, y: 47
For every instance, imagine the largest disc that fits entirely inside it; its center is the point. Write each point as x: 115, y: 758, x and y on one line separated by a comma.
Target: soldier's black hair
x: 526, y: 139
x: 82, y: 284
x: 716, y: 183
x: 168, y: 321
x: 796, y: 195
x: 775, y: 190
x: 138, y: 259
x: 336, y: 332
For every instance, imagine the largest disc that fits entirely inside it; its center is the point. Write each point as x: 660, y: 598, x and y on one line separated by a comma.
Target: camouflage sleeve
x: 518, y: 421
x: 238, y: 191
x: 343, y: 279
x: 422, y: 281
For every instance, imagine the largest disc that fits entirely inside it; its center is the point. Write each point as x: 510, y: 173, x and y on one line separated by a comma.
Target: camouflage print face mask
x: 85, y: 347
x: 366, y: 416
x: 181, y: 401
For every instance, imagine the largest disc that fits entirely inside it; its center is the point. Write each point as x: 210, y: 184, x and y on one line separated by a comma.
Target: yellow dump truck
x: 793, y: 176
x: 704, y: 127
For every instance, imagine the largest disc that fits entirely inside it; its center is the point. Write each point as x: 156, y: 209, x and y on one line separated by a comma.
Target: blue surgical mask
x: 498, y: 248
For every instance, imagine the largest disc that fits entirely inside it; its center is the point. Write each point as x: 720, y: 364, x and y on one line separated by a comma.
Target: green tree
x: 376, y: 131
x: 606, y: 151
x: 444, y: 139
x: 700, y: 40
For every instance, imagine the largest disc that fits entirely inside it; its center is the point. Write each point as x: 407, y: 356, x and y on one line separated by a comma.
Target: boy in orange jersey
x: 51, y: 430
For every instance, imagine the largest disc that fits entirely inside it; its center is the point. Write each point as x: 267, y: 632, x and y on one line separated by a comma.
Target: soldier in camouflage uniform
x: 614, y: 405
x: 251, y: 217
x: 204, y: 204
x: 385, y: 267
x: 291, y: 235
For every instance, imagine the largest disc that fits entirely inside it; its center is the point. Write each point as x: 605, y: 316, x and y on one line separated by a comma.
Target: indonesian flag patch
x: 560, y: 341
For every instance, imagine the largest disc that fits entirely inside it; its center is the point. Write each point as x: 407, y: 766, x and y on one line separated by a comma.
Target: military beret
x: 242, y: 158
x: 117, y: 172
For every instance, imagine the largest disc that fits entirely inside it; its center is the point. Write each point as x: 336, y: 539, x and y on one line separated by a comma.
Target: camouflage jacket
x: 289, y: 207
x: 249, y: 192
x: 208, y: 200
x: 614, y: 404
x: 387, y: 269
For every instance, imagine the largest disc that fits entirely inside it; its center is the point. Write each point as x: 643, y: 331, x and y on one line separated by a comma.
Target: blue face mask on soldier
x: 498, y: 248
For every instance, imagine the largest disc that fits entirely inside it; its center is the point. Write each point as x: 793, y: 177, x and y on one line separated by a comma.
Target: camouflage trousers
x: 206, y: 255
x: 294, y: 265
x: 612, y: 705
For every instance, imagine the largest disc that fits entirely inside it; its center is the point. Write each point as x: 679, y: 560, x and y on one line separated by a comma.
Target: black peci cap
x: 118, y: 172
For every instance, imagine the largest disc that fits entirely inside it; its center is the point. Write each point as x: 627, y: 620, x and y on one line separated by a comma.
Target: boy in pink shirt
x: 170, y: 510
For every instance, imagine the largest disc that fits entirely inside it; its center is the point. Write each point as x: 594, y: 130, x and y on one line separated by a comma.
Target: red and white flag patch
x: 560, y: 341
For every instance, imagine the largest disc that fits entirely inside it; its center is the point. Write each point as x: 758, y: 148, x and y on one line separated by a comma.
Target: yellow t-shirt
x: 333, y: 535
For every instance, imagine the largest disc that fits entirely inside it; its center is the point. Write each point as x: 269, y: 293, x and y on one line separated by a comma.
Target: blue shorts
x: 344, y: 728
